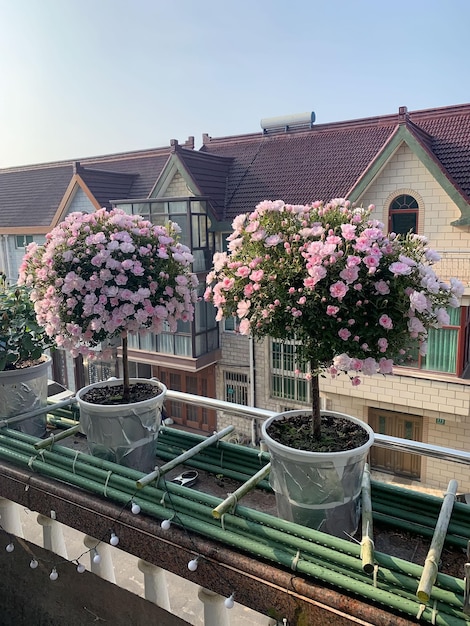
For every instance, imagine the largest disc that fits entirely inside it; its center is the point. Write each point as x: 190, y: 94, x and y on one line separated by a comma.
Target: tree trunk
x: 125, y: 371
x: 315, y: 398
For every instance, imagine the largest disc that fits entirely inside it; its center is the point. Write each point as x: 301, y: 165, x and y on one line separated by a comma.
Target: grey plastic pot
x: 125, y: 433
x: 25, y: 390
x: 320, y: 490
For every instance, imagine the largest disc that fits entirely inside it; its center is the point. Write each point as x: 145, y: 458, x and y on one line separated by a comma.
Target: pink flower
x: 386, y: 366
x: 382, y: 288
x: 348, y: 231
x: 243, y: 308
x: 257, y: 276
x: 383, y: 344
x: 386, y: 322
x: 355, y: 381
x: 418, y: 301
x: 243, y: 271
x: 338, y: 290
x: 245, y: 326
x: 332, y: 310
x: 400, y: 269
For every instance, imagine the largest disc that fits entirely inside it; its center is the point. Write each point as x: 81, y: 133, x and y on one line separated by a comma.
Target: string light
x: 54, y: 575
x: 114, y: 539
x: 192, y: 565
x: 229, y: 602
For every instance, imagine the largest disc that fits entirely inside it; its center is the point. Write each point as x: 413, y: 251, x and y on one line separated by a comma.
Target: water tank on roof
x: 288, y: 121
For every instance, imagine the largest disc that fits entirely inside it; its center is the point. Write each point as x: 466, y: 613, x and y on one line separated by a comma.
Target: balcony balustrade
x: 194, y: 566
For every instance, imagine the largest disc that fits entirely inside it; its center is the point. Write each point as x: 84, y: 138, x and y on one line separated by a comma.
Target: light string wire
x: 55, y: 563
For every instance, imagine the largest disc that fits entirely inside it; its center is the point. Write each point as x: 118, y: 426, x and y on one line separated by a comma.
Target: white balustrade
x: 101, y: 560
x: 52, y: 535
x: 155, y: 584
x: 215, y: 611
x: 10, y: 518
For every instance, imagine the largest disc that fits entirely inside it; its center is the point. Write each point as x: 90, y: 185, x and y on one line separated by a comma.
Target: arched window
x: 403, y: 215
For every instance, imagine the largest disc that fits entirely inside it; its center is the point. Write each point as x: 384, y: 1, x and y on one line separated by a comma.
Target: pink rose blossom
x: 386, y: 322
x: 338, y: 290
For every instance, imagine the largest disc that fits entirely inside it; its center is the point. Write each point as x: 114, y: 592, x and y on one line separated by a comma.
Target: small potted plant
x: 98, y: 277
x: 355, y: 300
x: 24, y: 363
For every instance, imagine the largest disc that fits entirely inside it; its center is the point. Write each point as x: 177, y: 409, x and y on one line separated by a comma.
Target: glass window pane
x: 403, y: 223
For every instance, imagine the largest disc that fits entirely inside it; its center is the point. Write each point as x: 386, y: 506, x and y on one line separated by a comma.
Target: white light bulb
x: 10, y: 547
x: 54, y: 575
x: 166, y: 524
x: 114, y: 539
x: 33, y: 564
x: 96, y: 558
x: 229, y: 602
x: 192, y: 565
x: 80, y: 568
x: 135, y: 508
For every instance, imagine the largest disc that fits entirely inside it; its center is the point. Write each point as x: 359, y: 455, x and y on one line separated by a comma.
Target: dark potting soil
x: 112, y: 394
x: 337, y: 433
x: 24, y: 364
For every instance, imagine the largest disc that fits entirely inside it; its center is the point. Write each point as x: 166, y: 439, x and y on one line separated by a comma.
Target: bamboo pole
x: 367, y: 543
x: 466, y: 580
x: 45, y: 443
x: 234, y: 497
x: 431, y: 567
x: 268, y: 539
x: 161, y: 471
x: 45, y: 409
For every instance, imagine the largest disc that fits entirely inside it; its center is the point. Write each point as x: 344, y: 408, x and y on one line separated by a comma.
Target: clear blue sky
x: 88, y: 77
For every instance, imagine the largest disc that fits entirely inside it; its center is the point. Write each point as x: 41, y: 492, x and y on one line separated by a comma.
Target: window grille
x: 236, y: 388
x: 285, y: 382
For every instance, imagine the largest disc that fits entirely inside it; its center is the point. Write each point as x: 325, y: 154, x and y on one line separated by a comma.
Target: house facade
x: 413, y: 166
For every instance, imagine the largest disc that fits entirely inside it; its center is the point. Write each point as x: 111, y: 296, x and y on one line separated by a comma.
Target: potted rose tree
x: 98, y: 277
x: 24, y: 362
x: 355, y: 301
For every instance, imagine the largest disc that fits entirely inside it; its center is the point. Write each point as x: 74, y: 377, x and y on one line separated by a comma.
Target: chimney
x: 189, y: 143
x: 403, y: 114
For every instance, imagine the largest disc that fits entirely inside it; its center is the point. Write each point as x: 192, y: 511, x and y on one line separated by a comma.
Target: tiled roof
x: 107, y: 185
x: 30, y: 196
x: 145, y: 165
x: 210, y: 173
x: 450, y: 134
x: 297, y: 167
x: 327, y: 160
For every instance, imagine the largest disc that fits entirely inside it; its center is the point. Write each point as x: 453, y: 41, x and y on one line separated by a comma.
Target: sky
x: 95, y: 77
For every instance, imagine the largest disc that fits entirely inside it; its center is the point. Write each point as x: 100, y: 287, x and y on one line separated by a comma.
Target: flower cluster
x: 328, y: 276
x: 106, y: 273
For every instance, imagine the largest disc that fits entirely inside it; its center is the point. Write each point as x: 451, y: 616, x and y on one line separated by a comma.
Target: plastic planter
x: 320, y: 490
x: 25, y: 390
x: 124, y: 433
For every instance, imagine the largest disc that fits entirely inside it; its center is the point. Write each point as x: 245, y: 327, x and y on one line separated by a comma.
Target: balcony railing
x: 221, y: 564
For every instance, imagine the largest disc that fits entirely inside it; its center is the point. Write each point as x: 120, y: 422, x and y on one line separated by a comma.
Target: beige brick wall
x: 429, y: 397
x: 405, y: 173
x: 177, y: 188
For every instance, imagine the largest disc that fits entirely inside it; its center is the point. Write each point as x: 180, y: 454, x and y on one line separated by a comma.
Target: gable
x: 80, y: 202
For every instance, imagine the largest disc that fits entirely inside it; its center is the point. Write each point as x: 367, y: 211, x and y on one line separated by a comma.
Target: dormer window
x: 403, y: 215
